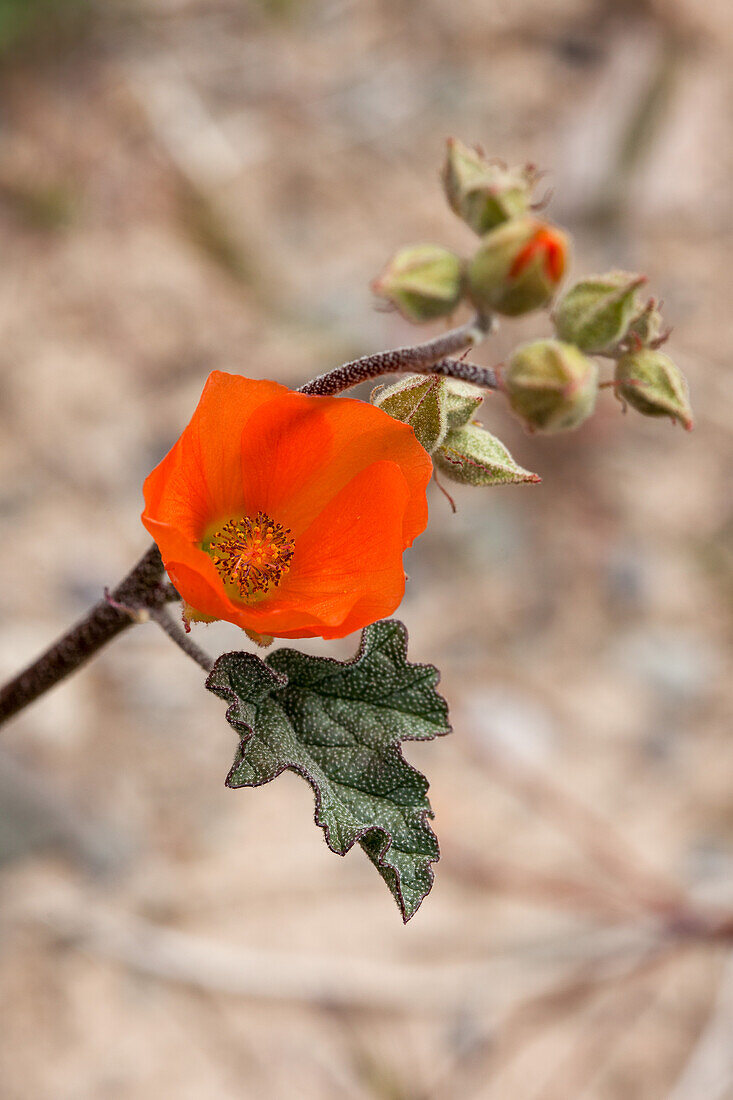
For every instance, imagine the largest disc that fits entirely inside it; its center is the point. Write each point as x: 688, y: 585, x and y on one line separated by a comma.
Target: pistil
x: 252, y: 554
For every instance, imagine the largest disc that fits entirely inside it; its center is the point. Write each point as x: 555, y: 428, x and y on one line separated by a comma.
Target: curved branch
x: 166, y: 622
x: 428, y: 358
x: 142, y: 588
x: 484, y: 377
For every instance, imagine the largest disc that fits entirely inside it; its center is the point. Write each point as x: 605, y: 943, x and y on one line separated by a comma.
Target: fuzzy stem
x: 428, y: 358
x: 179, y: 638
x: 141, y: 589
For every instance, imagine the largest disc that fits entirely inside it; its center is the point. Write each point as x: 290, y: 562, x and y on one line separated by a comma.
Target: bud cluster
x: 603, y: 315
x: 551, y: 384
x: 440, y: 411
x: 520, y: 259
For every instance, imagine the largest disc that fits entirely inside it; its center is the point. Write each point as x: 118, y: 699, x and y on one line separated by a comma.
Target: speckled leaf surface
x: 339, y: 724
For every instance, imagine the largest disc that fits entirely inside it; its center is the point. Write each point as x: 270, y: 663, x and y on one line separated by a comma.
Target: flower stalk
x: 177, y: 635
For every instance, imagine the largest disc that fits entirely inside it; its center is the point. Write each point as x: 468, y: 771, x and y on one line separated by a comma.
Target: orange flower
x: 287, y: 514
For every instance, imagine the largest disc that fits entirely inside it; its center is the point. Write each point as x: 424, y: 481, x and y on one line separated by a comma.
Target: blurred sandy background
x: 197, y: 184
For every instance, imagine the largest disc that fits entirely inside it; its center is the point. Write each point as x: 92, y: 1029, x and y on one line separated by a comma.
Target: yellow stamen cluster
x: 252, y: 554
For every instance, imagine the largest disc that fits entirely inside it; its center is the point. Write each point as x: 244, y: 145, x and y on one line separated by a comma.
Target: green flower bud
x: 654, y: 385
x: 484, y: 194
x: 595, y: 313
x: 517, y: 267
x: 431, y: 406
x: 462, y: 401
x: 472, y: 456
x: 648, y: 326
x: 550, y: 385
x: 420, y: 402
x: 423, y: 281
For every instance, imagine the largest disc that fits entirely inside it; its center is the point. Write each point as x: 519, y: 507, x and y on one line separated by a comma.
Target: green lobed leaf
x: 339, y: 724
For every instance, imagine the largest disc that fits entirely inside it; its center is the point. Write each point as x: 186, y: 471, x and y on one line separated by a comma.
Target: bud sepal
x: 647, y: 329
x: 462, y: 401
x: 472, y: 456
x: 550, y: 385
x: 596, y: 313
x: 485, y: 193
x: 423, y: 281
x: 432, y: 406
x: 653, y: 384
x: 420, y: 402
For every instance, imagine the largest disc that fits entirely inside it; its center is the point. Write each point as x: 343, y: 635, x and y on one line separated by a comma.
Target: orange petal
x: 352, y: 554
x: 299, y: 451
x: 207, y: 600
x: 347, y: 568
x: 184, y: 559
x: 199, y: 480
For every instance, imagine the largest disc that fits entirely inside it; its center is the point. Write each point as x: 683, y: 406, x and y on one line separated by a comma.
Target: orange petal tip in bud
x: 517, y: 267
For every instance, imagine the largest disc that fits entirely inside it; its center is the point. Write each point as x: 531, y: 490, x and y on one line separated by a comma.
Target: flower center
x: 252, y: 554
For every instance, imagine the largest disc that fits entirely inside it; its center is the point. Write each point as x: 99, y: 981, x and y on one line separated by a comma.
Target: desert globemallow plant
x: 287, y: 512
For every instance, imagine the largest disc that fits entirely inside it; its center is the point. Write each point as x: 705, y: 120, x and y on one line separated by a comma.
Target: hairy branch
x: 166, y: 622
x: 428, y: 358
x: 142, y: 588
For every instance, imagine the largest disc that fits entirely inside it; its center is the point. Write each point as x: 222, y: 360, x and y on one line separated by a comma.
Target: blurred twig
x: 518, y: 1025
x: 554, y: 890
x: 643, y: 887
x: 35, y: 814
x: 640, y: 131
x: 708, y: 1071
x: 610, y: 1023
x: 260, y: 973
